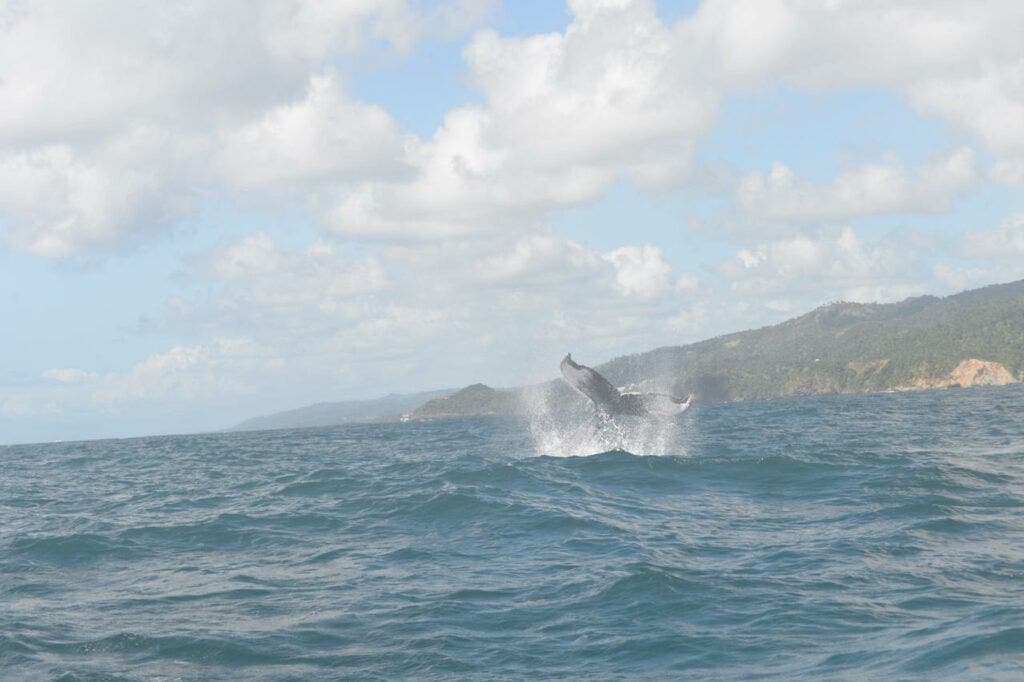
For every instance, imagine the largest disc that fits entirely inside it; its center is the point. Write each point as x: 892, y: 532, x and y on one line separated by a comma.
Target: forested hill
x: 476, y: 400
x: 968, y: 339
x: 975, y: 337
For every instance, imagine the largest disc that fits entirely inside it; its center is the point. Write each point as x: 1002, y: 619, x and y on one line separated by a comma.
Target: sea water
x: 844, y: 537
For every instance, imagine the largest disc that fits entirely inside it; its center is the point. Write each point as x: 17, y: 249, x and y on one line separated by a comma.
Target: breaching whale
x: 610, y: 402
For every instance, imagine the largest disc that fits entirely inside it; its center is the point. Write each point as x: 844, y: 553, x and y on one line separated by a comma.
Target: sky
x: 211, y: 211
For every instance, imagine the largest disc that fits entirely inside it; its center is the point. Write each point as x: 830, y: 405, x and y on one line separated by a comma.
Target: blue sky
x: 359, y: 198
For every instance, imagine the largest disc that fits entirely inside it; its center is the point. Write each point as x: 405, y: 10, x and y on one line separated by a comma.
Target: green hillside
x: 475, y: 400
x: 844, y: 348
x: 923, y: 342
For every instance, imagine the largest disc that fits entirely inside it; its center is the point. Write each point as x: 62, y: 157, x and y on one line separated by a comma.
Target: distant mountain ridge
x: 333, y: 413
x: 972, y: 338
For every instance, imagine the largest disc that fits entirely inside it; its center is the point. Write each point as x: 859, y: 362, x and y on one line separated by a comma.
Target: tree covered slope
x: 846, y: 348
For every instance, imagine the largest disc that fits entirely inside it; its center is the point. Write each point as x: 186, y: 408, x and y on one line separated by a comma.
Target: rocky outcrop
x: 969, y: 372
x: 973, y: 372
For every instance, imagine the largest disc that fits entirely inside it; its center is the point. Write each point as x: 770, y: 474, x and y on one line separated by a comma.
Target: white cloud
x: 65, y: 200
x: 257, y: 273
x: 884, y: 187
x: 829, y: 264
x: 987, y: 256
x: 566, y: 115
x: 183, y: 376
x: 1009, y: 171
x: 458, y: 16
x: 91, y: 68
x: 239, y: 88
x: 16, y: 406
x: 956, y: 276
x: 324, y: 137
x: 532, y: 260
x: 111, y: 113
x: 958, y: 58
x: 619, y: 94
x: 456, y: 303
x: 988, y: 102
x: 215, y: 370
x: 537, y: 266
x: 70, y: 375
x: 641, y: 271
x: 1005, y: 241
x: 243, y: 101
x: 291, y: 325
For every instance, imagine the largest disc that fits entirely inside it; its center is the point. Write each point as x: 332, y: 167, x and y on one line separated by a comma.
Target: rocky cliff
x: 970, y: 372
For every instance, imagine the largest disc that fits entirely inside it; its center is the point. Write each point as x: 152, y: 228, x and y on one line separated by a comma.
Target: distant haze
x: 966, y: 340
x: 329, y: 414
x: 241, y: 208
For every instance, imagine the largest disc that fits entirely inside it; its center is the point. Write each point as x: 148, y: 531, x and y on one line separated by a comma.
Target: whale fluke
x: 609, y: 401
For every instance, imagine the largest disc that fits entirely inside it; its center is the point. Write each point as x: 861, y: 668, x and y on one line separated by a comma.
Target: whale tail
x: 587, y: 381
x: 658, y: 404
x: 608, y: 400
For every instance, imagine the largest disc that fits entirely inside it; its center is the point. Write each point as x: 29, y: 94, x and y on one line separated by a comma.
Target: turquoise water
x: 860, y: 536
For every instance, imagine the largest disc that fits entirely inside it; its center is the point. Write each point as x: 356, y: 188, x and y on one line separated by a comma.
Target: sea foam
x: 571, y: 428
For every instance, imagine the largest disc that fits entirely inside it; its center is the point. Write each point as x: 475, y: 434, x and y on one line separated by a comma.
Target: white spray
x: 569, y: 426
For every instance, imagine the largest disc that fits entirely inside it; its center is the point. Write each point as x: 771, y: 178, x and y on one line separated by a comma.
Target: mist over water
x: 839, y: 537
x: 572, y: 428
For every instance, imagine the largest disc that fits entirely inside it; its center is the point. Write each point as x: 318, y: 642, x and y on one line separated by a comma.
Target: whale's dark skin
x: 610, y: 402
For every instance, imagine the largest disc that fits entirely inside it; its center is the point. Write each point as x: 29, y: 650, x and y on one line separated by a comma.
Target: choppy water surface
x: 828, y: 537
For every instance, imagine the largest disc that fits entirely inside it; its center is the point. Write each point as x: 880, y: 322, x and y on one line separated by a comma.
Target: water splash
x: 564, y: 426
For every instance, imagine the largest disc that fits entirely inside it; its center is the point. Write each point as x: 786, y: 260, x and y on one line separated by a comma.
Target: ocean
x: 849, y: 537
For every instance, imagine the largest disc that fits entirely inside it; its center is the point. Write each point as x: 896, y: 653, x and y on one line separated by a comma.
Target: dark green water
x: 845, y: 537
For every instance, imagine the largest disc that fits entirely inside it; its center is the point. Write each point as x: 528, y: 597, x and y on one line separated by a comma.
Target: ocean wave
x: 813, y: 538
x: 73, y: 549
